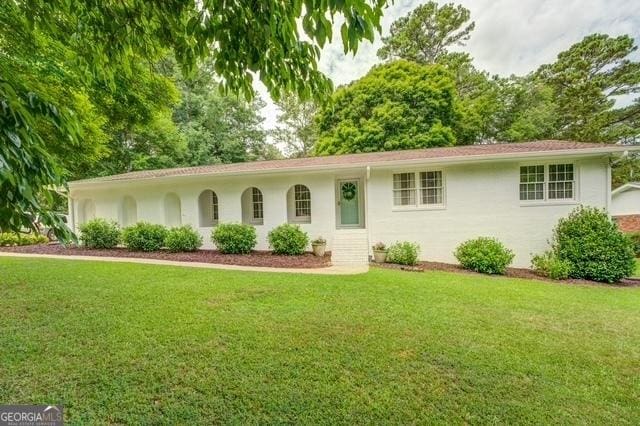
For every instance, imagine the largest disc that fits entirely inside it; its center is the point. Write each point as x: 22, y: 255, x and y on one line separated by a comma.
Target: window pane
x: 257, y: 203
x: 302, y: 198
x: 431, y: 187
x: 404, y: 189
x: 560, y: 181
x: 531, y: 183
x: 214, y: 206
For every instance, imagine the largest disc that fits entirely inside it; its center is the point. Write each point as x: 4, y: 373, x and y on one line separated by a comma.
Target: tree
x: 586, y: 79
x: 398, y: 105
x: 297, y: 130
x: 425, y: 34
x: 526, y: 110
x: 217, y: 128
x: 248, y: 38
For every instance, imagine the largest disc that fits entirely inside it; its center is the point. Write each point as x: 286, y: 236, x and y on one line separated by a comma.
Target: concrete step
x: 350, y: 247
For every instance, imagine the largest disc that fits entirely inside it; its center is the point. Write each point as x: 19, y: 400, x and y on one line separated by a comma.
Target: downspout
x: 366, y: 210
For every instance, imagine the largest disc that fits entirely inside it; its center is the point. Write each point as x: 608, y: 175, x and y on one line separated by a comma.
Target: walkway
x: 330, y: 270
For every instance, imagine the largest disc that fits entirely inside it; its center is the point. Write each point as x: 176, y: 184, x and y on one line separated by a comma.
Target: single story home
x: 625, y: 206
x: 435, y: 197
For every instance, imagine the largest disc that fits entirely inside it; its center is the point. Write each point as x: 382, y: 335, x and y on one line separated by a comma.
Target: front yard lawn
x: 127, y: 343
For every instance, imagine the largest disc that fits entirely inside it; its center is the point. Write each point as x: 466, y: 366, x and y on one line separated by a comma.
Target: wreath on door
x: 349, y: 191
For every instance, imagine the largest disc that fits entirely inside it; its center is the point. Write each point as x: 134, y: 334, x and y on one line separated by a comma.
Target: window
x: 214, y: 207
x: 431, y: 189
x: 257, y: 204
x: 404, y: 189
x: 208, y: 206
x: 560, y: 181
x: 302, y: 198
x: 551, y: 182
x: 531, y: 183
x: 252, y: 206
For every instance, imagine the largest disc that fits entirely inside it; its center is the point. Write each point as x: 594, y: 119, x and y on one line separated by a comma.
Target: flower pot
x: 318, y: 249
x: 379, y: 256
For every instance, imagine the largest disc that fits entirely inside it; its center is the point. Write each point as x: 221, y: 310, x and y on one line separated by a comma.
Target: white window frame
x: 301, y: 218
x: 215, y: 206
x: 545, y: 199
x: 417, y: 190
x: 255, y: 204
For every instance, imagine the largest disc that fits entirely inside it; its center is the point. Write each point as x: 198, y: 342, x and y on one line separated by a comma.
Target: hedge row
x: 231, y: 238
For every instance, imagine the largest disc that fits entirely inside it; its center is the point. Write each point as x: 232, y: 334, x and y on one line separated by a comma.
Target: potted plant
x: 379, y: 252
x: 319, y: 245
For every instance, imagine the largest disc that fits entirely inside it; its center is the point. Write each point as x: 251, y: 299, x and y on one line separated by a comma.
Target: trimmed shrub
x: 183, y: 238
x: 635, y: 239
x: 594, y: 246
x: 234, y: 238
x: 8, y: 239
x: 144, y: 236
x: 403, y: 253
x: 486, y: 255
x: 100, y: 234
x: 549, y: 265
x: 288, y: 239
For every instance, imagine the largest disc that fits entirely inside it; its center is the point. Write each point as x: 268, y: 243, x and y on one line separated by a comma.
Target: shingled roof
x: 468, y: 152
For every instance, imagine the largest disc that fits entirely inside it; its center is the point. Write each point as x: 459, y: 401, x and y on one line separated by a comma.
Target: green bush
x: 288, y: 239
x: 549, y: 265
x: 100, y: 234
x: 183, y: 238
x: 403, y: 253
x: 635, y: 239
x: 8, y: 239
x: 144, y: 236
x: 486, y: 255
x: 594, y: 246
x: 234, y: 238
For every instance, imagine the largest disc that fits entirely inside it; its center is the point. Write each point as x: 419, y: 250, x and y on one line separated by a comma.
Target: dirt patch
x: 511, y: 272
x: 256, y: 258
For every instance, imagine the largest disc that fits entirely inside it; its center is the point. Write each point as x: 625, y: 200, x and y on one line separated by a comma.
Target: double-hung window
x: 418, y: 189
x: 547, y: 182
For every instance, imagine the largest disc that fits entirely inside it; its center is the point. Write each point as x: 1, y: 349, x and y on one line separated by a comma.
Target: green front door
x: 349, y: 202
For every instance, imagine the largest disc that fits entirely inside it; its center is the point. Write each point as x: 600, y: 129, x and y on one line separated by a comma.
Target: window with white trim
x: 531, y: 183
x: 547, y: 182
x: 404, y: 189
x: 257, y: 204
x: 428, y: 192
x: 431, y: 187
x: 302, y: 199
x: 560, y: 181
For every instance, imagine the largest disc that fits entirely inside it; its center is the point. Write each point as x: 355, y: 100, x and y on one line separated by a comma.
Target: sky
x: 510, y: 37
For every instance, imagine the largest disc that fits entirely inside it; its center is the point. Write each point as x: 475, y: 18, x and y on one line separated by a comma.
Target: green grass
x: 126, y: 343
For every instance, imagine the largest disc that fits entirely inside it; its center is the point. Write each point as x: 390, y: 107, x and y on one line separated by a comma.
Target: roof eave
x: 609, y: 149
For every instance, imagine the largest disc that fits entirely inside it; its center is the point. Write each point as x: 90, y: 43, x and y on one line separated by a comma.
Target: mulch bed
x: 511, y: 272
x: 256, y: 258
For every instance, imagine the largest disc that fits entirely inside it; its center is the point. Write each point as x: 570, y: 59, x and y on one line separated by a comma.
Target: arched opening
x: 208, y: 208
x: 86, y: 211
x: 252, y: 206
x: 299, y: 204
x: 128, y: 211
x: 172, y: 210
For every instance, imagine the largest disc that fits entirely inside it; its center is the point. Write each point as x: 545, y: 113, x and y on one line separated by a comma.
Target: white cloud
x: 511, y: 36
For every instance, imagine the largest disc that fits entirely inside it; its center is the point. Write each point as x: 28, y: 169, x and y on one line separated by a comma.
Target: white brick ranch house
x: 435, y: 197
